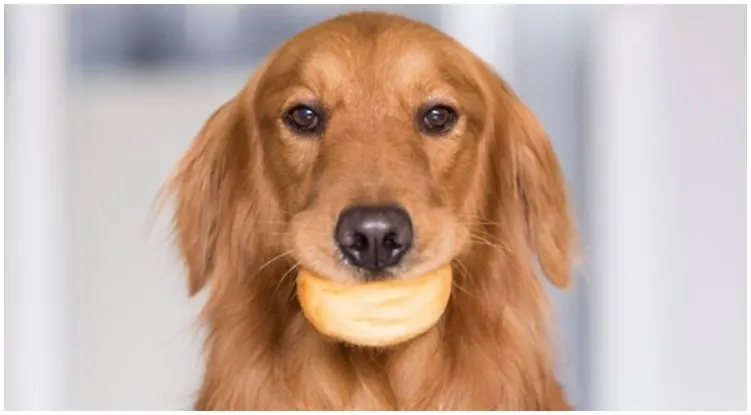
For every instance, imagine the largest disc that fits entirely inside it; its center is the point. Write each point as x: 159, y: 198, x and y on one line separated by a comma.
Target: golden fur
x: 254, y: 202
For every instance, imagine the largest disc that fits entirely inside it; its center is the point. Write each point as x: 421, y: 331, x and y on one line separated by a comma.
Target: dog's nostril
x: 389, y: 241
x: 374, y: 237
x: 359, y: 242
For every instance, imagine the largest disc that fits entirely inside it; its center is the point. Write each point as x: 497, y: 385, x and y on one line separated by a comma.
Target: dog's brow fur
x: 255, y: 201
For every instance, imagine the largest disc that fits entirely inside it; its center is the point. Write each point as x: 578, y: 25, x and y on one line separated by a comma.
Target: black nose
x: 374, y: 237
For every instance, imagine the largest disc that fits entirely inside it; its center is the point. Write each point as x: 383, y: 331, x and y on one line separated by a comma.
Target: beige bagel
x: 374, y: 314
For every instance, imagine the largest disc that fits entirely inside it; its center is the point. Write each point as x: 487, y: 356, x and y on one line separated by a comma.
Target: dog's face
x: 384, y: 145
x: 373, y: 139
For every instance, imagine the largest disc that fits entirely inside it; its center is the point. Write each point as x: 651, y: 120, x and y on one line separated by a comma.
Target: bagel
x: 375, y: 314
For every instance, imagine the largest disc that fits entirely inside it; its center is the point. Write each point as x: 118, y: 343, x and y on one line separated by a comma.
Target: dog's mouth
x: 330, y: 262
x: 375, y: 244
x: 365, y: 274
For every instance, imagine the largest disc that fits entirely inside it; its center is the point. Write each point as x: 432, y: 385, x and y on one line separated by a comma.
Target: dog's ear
x: 541, y: 188
x: 537, y: 179
x: 210, y: 179
x: 201, y: 186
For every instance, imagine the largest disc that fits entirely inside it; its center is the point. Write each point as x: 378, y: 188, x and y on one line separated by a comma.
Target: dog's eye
x: 304, y: 120
x: 437, y: 119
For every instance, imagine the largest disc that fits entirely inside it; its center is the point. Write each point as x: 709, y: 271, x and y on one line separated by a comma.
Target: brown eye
x: 304, y: 120
x: 437, y: 119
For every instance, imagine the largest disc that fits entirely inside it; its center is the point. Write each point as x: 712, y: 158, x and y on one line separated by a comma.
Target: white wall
x: 136, y: 343
x: 668, y: 205
x: 37, y: 280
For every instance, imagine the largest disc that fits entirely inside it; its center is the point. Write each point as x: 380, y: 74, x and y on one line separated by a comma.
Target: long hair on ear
x: 537, y: 180
x: 215, y: 188
x: 202, y: 187
x: 541, y: 195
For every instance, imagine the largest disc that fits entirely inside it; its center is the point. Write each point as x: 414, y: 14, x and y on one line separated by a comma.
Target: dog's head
x: 371, y: 146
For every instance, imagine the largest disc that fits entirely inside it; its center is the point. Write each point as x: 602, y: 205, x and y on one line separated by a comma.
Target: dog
x: 373, y: 146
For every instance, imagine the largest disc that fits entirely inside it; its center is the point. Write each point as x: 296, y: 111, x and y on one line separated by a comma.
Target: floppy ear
x: 209, y: 179
x: 201, y: 186
x: 539, y: 183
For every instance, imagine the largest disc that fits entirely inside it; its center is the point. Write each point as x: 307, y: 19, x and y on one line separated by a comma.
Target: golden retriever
x: 372, y: 146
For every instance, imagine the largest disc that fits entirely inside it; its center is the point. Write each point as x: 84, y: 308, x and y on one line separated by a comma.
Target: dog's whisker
x: 483, y: 233
x: 284, y: 277
x: 485, y: 244
x: 269, y: 262
x: 461, y: 265
x: 482, y: 219
x: 466, y: 222
x: 482, y: 241
x: 466, y: 273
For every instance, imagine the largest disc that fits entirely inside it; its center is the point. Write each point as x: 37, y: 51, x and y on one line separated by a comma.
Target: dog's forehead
x: 356, y: 51
x: 368, y: 65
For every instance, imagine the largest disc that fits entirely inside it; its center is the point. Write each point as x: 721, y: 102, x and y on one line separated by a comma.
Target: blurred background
x: 646, y: 107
